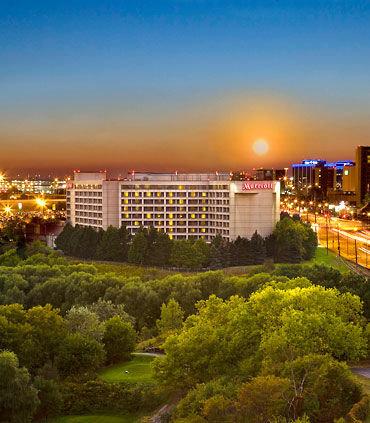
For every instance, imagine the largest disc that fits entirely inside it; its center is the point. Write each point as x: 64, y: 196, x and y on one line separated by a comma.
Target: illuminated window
x: 126, y: 216
x: 193, y: 216
x: 170, y: 216
x: 136, y: 194
x: 170, y: 236
x: 204, y: 208
x: 204, y: 194
x: 203, y: 230
x: 148, y: 215
x: 170, y: 201
x: 125, y: 194
x: 136, y: 223
x: 125, y: 201
x: 181, y: 201
x: 192, y: 194
x: 170, y: 223
x: 192, y: 230
x: 125, y: 208
x: 170, y: 194
x: 181, y: 187
x: 148, y: 194
x: 158, y: 194
x: 203, y: 216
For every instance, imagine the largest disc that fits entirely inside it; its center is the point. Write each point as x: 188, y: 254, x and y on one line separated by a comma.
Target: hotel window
x: 170, y: 201
x: 148, y: 215
x: 192, y: 194
x: 126, y: 215
x: 203, y: 216
x: 193, y: 216
x: 125, y: 201
x: 181, y: 201
x: 203, y: 230
x: 170, y: 223
x: 137, y: 194
x: 170, y: 216
x: 136, y: 223
x: 170, y: 194
x: 204, y: 194
x: 148, y: 194
x: 204, y: 208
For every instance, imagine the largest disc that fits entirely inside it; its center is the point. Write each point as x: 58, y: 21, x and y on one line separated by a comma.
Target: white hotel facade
x: 183, y: 205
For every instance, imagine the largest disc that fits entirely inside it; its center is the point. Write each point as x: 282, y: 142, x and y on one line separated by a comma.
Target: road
x: 349, y: 239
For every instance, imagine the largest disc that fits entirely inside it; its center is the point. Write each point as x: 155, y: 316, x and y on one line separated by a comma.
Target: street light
x: 41, y: 202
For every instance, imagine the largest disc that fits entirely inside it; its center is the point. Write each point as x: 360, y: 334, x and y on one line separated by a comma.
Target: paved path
x: 363, y: 371
x: 149, y: 354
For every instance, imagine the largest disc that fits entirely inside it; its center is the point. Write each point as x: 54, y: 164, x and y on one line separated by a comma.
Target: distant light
x: 40, y: 202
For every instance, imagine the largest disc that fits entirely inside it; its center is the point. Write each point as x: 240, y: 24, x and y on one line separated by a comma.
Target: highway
x: 349, y: 239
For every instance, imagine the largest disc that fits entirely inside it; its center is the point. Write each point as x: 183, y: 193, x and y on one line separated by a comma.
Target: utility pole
x: 327, y: 236
x: 338, y: 242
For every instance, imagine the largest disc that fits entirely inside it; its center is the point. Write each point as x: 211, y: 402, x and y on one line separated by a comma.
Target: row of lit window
x: 161, y: 194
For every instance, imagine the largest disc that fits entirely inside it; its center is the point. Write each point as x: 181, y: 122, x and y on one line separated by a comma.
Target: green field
x: 139, y: 370
x: 96, y: 419
x: 321, y: 257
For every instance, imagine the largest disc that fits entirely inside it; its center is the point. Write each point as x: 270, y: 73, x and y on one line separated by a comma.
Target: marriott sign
x: 251, y: 186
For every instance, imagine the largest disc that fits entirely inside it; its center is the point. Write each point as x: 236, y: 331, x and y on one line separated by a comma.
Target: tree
x: 37, y: 247
x: 324, y: 388
x: 10, y: 258
x: 113, y: 244
x: 63, y: 240
x: 79, y: 354
x: 18, y: 398
x: 50, y: 398
x: 119, y: 339
x: 201, y: 251
x: 288, y: 235
x: 88, y: 243
x: 106, y: 309
x: 263, y: 398
x: 172, y: 317
x: 160, y: 252
x: 138, y: 249
x: 84, y: 321
x: 258, y: 248
x: 188, y: 255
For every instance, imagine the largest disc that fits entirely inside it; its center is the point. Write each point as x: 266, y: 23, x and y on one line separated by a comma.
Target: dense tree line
x: 232, y: 343
x: 292, y: 242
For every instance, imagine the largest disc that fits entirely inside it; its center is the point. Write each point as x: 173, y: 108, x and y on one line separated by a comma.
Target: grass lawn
x: 139, y: 370
x: 96, y: 419
x: 329, y: 259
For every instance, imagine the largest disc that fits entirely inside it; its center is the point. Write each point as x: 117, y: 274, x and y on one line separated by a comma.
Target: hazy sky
x: 181, y: 84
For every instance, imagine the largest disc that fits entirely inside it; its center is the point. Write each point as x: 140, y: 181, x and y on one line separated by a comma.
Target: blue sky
x: 118, y: 73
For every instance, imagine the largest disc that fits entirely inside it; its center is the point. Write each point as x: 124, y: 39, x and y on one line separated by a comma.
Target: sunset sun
x: 260, y: 146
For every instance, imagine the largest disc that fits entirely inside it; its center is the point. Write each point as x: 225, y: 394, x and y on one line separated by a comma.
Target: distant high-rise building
x: 317, y: 178
x: 362, y: 173
x: 349, y: 179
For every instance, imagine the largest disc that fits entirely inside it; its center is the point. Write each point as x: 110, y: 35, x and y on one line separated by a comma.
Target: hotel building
x: 183, y: 205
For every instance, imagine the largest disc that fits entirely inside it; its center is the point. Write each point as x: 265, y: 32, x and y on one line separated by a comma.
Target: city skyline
x: 182, y: 85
